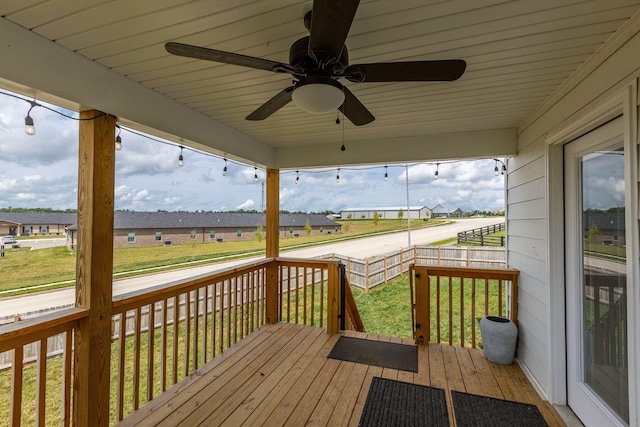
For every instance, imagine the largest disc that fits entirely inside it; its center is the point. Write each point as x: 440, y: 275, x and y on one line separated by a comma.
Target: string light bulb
x: 497, y: 170
x: 297, y: 176
x: 255, y: 174
x: 181, y: 157
x: 435, y: 175
x: 338, y: 176
x: 224, y: 170
x: 118, y: 140
x: 386, y: 174
x: 29, y: 127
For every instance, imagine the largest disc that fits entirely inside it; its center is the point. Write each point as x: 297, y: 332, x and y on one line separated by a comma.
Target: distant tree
x: 400, y: 215
x: 307, y: 227
x: 376, y: 218
x: 259, y: 233
x: 347, y: 226
x: 594, y: 230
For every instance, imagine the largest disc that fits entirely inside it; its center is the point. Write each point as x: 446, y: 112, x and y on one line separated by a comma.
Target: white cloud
x: 246, y: 205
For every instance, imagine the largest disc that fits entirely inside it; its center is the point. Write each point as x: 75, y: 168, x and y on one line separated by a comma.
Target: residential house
x: 551, y: 87
x: 35, y: 224
x: 166, y: 228
x: 439, y: 211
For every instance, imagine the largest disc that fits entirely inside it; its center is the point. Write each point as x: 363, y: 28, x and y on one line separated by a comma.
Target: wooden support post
x: 422, y: 328
x: 513, y: 313
x: 333, y: 299
x: 273, y: 243
x: 94, y: 270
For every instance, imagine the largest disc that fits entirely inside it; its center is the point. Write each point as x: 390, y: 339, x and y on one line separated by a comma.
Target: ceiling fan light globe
x: 318, y: 98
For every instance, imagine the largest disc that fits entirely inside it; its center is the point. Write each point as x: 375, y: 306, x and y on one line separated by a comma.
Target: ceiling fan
x: 317, y: 61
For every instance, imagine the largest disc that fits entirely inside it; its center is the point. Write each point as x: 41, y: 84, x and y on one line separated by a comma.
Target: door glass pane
x: 604, y: 290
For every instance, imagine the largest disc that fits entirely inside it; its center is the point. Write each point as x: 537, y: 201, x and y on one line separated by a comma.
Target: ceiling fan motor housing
x: 299, y: 58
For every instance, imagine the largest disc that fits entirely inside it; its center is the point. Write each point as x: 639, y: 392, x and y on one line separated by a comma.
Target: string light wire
x: 34, y: 104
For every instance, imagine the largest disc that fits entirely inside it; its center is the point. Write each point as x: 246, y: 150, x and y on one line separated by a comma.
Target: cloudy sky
x: 41, y: 171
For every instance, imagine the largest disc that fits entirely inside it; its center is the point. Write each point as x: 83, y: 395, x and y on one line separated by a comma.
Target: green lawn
x: 24, y: 268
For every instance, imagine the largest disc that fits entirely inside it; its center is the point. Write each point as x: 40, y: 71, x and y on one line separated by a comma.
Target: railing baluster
x: 473, y: 312
x: 214, y: 315
x: 297, y: 294
x: 122, y: 334
x: 221, y: 310
x: 486, y: 297
x: 243, y: 285
x: 288, y: 294
x: 187, y: 333
x: 163, y: 347
x: 462, y: 312
x: 313, y: 296
x: 196, y: 328
x: 500, y: 282
x: 16, y: 388
x: 235, y: 309
x: 136, y: 360
x: 151, y: 328
x: 41, y: 383
x: 66, y: 381
x: 176, y: 326
x: 229, y: 313
x: 205, y: 323
x: 438, y: 308
x: 321, y: 298
x: 450, y: 312
x: 251, y: 296
x: 304, y: 284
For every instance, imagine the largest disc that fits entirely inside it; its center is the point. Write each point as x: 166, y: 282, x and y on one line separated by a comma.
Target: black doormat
x: 481, y: 411
x: 377, y: 353
x: 395, y: 403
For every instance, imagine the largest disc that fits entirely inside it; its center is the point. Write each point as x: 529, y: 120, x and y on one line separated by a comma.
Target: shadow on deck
x: 280, y: 375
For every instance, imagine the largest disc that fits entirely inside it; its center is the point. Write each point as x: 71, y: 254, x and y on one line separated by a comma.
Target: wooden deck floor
x: 280, y: 375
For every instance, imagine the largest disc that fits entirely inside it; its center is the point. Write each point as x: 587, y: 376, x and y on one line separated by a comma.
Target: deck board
x: 280, y: 375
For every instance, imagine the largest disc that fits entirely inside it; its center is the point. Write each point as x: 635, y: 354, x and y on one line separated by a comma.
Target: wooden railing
x: 448, y: 302
x: 353, y: 321
x: 162, y: 334
x: 49, y: 382
x: 303, y: 288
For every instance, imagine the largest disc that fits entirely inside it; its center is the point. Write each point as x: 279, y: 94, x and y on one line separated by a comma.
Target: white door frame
x: 625, y: 103
x: 585, y: 400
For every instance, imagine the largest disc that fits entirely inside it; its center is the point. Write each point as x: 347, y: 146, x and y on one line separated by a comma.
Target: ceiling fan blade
x: 198, y: 52
x: 272, y: 105
x: 330, y: 24
x: 414, y: 71
x: 353, y: 109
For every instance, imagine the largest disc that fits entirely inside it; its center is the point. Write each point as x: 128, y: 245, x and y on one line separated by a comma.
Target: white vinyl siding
x: 533, y: 214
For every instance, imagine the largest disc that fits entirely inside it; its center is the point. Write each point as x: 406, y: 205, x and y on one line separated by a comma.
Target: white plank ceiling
x: 518, y: 52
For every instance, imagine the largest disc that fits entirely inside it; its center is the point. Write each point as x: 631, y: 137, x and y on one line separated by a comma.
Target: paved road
x: 42, y: 243
x: 357, y: 248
